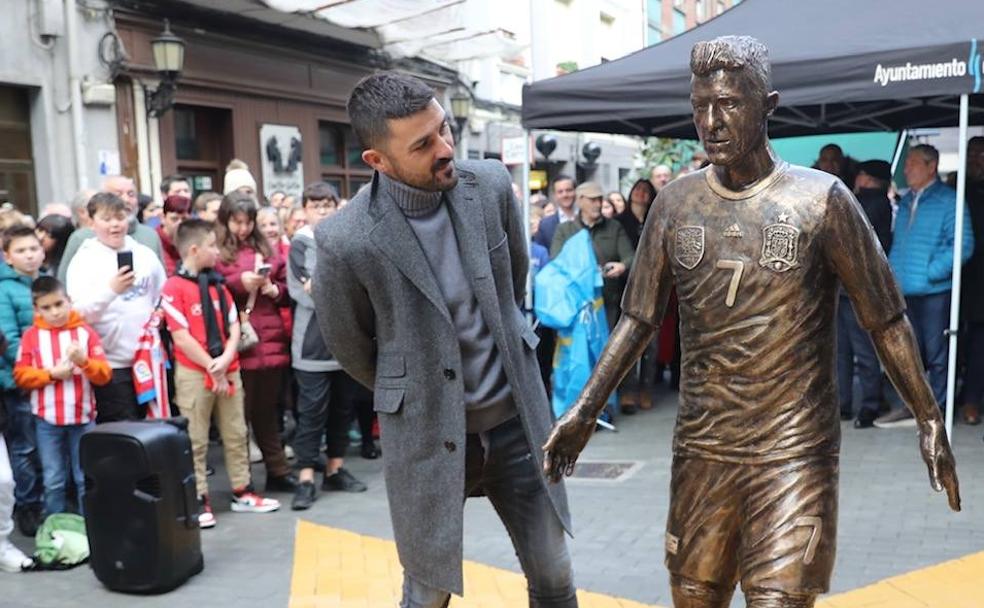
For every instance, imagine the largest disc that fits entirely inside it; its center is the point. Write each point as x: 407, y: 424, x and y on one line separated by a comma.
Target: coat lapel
x: 396, y: 239
x: 468, y: 218
x: 469, y: 226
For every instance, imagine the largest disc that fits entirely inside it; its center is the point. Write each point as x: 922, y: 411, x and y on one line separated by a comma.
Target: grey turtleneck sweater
x: 488, y: 397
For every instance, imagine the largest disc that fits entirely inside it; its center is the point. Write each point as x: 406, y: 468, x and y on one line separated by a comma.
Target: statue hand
x: 569, y: 436
x: 939, y: 459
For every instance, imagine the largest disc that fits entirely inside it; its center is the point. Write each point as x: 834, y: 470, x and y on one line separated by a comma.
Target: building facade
x: 668, y: 18
x: 57, y: 118
x: 555, y: 37
x: 269, y: 96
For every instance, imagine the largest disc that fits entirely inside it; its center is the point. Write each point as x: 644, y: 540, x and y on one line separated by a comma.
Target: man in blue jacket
x: 922, y: 258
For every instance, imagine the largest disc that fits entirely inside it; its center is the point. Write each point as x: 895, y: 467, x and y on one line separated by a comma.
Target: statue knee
x: 771, y: 598
x: 688, y: 593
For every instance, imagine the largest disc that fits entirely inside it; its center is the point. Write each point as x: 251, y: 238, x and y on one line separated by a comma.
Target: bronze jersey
x: 756, y: 274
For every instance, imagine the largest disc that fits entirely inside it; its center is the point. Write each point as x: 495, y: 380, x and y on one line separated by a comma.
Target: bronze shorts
x: 770, y: 526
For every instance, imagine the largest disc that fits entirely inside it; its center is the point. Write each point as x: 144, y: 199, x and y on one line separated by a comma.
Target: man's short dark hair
x: 170, y: 179
x: 105, y: 201
x: 381, y: 97
x: 17, y: 231
x: 562, y: 178
x: 733, y: 53
x: 318, y: 191
x: 190, y: 232
x: 929, y: 153
x: 45, y: 285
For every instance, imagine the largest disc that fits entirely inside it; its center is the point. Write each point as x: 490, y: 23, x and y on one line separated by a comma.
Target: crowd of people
x: 915, y: 227
x: 119, y: 308
x: 227, y: 280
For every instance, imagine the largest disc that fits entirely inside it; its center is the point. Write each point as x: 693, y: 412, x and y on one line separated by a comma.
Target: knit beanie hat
x: 236, y: 179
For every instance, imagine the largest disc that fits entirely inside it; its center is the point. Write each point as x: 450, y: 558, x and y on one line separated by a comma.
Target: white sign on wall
x: 513, y: 150
x: 281, y: 154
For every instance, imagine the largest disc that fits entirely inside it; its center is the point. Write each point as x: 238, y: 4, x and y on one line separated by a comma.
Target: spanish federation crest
x: 780, y: 245
x: 689, y: 246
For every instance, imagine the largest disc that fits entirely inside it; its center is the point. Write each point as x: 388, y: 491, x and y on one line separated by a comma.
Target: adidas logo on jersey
x: 733, y: 231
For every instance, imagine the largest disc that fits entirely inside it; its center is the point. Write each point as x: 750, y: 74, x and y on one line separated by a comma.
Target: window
x: 202, y: 145
x: 341, y: 159
x: 654, y: 21
x: 16, y: 159
x: 679, y: 21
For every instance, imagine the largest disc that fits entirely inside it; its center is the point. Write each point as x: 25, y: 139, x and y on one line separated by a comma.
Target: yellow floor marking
x: 339, y: 569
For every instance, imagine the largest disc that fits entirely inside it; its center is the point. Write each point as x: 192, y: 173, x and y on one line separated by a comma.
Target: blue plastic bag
x: 568, y: 299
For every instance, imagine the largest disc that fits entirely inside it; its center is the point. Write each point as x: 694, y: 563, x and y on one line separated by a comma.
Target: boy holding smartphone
x: 119, y: 307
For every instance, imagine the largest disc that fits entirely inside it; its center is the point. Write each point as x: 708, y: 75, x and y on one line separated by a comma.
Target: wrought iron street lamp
x: 168, y: 51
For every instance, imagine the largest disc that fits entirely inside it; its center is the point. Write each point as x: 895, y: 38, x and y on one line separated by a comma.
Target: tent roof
x: 825, y: 60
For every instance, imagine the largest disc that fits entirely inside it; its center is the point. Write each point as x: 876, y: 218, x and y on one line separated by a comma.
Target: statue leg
x: 689, y: 593
x: 770, y: 598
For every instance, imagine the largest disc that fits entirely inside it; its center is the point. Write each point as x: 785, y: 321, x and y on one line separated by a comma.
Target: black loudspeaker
x: 141, y: 508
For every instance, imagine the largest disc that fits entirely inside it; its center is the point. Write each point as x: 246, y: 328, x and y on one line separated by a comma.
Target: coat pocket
x: 499, y: 242
x: 387, y: 400
x: 391, y: 365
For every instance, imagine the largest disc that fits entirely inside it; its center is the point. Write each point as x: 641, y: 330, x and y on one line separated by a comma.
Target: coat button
x: 450, y: 446
x: 449, y: 374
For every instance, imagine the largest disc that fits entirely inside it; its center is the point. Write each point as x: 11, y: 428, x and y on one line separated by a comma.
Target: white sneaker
x: 289, y: 452
x: 248, y: 501
x: 206, y: 519
x: 13, y: 559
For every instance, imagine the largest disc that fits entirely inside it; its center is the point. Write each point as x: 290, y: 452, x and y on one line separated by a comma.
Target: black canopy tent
x: 839, y: 66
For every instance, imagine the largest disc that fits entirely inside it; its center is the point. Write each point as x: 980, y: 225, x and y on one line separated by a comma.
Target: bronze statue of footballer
x: 756, y: 249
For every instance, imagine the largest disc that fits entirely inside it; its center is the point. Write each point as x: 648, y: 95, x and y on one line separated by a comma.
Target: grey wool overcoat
x: 384, y: 318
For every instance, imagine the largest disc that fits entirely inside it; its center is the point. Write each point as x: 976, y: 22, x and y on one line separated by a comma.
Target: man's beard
x: 429, y: 182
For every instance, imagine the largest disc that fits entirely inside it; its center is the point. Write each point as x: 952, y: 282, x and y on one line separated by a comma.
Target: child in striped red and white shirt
x: 60, y: 359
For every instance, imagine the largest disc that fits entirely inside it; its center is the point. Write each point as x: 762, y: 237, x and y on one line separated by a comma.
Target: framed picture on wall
x: 281, y: 159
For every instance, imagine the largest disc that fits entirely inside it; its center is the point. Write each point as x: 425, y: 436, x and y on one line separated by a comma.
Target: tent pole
x: 951, y: 371
x: 525, y: 186
x: 899, y: 147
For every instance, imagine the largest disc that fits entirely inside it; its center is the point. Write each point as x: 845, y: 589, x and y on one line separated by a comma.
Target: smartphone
x: 124, y: 258
x: 263, y: 270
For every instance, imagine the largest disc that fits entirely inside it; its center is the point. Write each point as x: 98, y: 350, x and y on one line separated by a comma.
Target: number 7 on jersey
x: 737, y: 267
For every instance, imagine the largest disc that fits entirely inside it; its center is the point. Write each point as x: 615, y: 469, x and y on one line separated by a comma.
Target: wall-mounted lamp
x: 461, y: 105
x: 168, y: 52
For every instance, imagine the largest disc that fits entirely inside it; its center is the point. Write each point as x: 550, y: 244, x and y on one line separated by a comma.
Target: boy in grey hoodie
x: 317, y: 373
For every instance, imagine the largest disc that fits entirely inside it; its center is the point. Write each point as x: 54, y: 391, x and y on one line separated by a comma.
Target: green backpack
x: 61, y: 542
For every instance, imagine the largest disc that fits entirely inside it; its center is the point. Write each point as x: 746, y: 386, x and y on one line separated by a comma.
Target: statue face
x: 730, y: 115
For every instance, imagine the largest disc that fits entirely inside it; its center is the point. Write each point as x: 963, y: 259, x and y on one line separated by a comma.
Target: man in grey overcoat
x: 418, y: 287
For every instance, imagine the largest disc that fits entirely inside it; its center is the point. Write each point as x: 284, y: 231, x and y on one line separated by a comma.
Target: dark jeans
x: 499, y: 461
x: 117, y: 400
x: 22, y: 445
x: 973, y: 388
x: 856, y: 354
x: 59, y: 449
x: 360, y: 403
x: 930, y: 316
x: 323, y: 410
x: 261, y: 394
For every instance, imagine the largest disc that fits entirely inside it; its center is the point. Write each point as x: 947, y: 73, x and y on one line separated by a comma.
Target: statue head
x: 732, y: 97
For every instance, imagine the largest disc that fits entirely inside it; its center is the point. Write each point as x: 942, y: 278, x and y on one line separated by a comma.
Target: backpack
x: 61, y: 542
